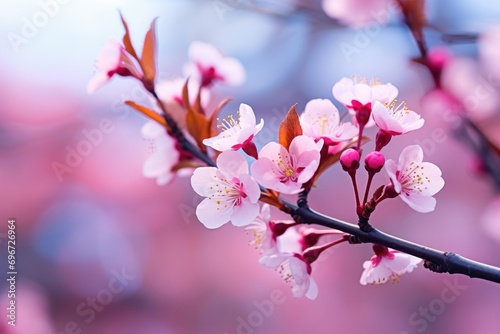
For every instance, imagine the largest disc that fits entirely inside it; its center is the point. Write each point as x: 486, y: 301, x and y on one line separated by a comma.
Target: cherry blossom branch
x: 435, y: 260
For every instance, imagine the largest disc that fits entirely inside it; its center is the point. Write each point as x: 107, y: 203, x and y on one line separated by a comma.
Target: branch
x: 435, y: 260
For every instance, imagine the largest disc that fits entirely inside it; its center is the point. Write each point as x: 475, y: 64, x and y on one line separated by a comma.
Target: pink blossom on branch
x: 158, y: 164
x: 413, y: 180
x: 396, y: 120
x: 321, y: 120
x: 387, y: 265
x: 231, y: 193
x: 113, y: 59
x: 266, y: 231
x: 236, y: 133
x: 287, y: 170
x: 286, y: 258
x: 208, y: 64
x: 359, y: 97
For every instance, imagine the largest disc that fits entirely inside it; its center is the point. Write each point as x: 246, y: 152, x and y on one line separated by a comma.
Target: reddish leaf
x: 126, y: 39
x: 289, y: 128
x: 148, y: 58
x: 148, y: 113
x: 198, y: 125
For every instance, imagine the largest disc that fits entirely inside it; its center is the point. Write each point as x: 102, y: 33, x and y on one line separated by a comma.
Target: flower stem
x: 368, y: 185
x: 352, y: 174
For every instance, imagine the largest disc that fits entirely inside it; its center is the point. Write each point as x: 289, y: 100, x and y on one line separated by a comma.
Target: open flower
x: 159, y: 164
x: 231, y: 193
x: 415, y: 181
x: 297, y: 272
x: 113, y: 59
x: 236, y: 133
x: 396, y: 120
x: 359, y: 97
x: 208, y: 65
x: 286, y: 258
x: 346, y: 90
x: 266, y: 232
x: 321, y: 119
x: 264, y: 240
x: 387, y: 265
x: 287, y: 170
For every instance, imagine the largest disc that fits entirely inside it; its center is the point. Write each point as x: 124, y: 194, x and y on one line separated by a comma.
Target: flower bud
x: 349, y: 159
x: 374, y: 162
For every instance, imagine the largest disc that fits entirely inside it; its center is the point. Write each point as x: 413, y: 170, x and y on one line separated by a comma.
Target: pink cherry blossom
x: 357, y: 13
x: 208, y: 65
x: 321, y: 119
x: 346, y: 90
x: 359, y: 96
x: 396, y: 120
x: 158, y: 164
x: 287, y: 170
x: 293, y: 268
x: 297, y: 272
x: 266, y: 232
x: 387, y: 265
x: 231, y: 193
x: 264, y: 239
x: 112, y: 60
x: 415, y: 181
x: 236, y: 133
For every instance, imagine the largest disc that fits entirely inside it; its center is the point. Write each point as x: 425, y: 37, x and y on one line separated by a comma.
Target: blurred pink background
x: 101, y: 218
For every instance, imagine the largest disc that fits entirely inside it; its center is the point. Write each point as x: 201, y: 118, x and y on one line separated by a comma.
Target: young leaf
x: 148, y: 113
x: 289, y: 128
x: 126, y: 39
x: 148, y: 58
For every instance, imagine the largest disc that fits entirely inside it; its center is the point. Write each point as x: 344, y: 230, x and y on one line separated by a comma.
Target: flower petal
x: 420, y: 203
x: 213, y: 215
x: 245, y: 213
x: 204, y: 180
x: 250, y: 187
x: 313, y: 291
x: 232, y: 164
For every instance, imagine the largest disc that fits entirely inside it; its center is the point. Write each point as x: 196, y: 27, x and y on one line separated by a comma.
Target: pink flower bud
x: 349, y: 159
x: 438, y: 57
x: 374, y: 162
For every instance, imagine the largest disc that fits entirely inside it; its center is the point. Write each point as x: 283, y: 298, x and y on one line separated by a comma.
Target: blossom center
x: 229, y: 126
x: 413, y: 178
x: 397, y: 112
x: 227, y: 192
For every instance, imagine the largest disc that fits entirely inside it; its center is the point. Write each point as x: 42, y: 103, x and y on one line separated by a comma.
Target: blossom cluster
x: 307, y: 145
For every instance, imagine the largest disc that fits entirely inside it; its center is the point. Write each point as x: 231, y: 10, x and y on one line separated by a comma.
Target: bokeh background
x: 76, y: 231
